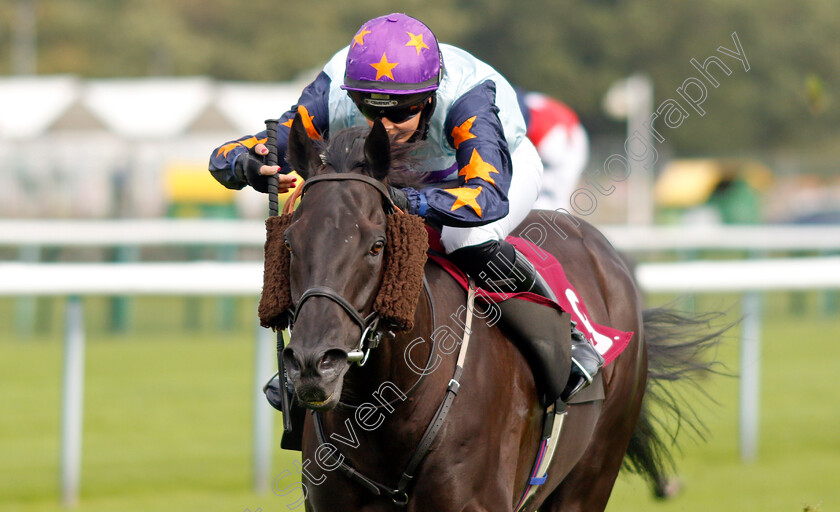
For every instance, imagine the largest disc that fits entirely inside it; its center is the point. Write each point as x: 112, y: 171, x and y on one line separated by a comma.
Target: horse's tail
x: 678, y: 345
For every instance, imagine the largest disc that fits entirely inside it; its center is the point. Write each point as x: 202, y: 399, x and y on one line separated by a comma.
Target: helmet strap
x: 425, y: 118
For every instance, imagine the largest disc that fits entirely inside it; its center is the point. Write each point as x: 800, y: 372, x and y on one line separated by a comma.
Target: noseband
x: 371, y: 336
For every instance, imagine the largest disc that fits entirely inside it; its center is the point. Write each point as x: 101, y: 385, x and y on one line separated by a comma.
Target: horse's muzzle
x: 317, y: 375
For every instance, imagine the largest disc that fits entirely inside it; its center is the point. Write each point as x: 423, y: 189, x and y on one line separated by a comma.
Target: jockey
x: 562, y: 144
x: 483, y: 173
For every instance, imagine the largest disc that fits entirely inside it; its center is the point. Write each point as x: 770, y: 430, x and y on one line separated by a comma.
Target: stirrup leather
x: 554, y: 416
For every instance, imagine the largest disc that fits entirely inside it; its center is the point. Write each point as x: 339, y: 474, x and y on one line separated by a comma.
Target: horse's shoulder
x: 438, y: 277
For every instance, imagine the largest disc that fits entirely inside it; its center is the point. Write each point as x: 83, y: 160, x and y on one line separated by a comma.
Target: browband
x: 335, y: 176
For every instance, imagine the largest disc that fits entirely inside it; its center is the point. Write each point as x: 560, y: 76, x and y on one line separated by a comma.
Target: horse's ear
x: 378, y: 150
x: 301, y: 152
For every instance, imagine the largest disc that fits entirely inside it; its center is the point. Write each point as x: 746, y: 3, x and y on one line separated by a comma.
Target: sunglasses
x: 396, y: 114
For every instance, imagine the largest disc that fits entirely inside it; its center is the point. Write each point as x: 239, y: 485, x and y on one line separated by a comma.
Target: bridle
x: 387, y: 202
x: 371, y: 335
x: 369, y: 325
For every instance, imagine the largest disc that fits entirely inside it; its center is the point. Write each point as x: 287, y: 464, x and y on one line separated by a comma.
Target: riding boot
x: 542, y: 335
x: 500, y: 268
x: 292, y: 438
x: 586, y: 363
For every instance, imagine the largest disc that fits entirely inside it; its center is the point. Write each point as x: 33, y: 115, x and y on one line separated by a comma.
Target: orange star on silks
x: 253, y: 141
x: 478, y: 168
x: 307, y: 123
x: 384, y: 68
x: 360, y: 37
x: 416, y: 41
x: 462, y: 132
x: 224, y: 150
x: 465, y: 196
x: 248, y: 143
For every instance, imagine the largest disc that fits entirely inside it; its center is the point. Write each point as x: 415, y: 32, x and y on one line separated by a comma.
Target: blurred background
x: 135, y: 92
x: 109, y: 111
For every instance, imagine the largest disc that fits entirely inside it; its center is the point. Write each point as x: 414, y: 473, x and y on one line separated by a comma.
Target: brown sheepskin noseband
x: 402, y: 280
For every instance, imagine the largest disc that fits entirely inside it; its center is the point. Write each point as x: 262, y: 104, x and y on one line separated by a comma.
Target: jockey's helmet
x: 393, y: 66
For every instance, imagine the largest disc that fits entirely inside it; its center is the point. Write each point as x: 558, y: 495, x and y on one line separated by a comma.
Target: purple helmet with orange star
x: 393, y: 54
x: 394, y: 67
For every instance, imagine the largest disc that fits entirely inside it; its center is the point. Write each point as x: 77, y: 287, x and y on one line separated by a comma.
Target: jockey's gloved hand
x: 247, y: 168
x: 399, y: 198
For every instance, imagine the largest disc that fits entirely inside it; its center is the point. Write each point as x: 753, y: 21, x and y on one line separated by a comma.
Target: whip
x: 273, y: 186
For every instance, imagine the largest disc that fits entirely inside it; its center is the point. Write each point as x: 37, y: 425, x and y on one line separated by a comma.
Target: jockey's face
x: 405, y: 129
x: 402, y: 124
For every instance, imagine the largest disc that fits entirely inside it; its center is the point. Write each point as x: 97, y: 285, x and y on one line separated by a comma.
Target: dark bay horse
x: 374, y: 416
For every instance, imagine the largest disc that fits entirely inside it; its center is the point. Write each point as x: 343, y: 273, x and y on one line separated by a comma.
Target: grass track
x: 798, y: 463
x: 168, y: 412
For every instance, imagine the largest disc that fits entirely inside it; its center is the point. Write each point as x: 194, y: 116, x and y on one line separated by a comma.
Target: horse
x: 365, y: 423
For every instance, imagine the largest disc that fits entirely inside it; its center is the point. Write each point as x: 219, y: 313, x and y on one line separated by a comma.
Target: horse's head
x: 336, y: 240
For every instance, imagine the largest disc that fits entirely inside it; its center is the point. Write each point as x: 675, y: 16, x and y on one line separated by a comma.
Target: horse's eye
x: 377, y: 247
x: 287, y: 244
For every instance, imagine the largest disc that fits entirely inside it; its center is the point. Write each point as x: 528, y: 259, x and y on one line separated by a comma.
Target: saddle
x: 608, y: 341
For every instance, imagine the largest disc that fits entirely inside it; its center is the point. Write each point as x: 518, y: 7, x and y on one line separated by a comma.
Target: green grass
x: 168, y: 413
x: 798, y: 460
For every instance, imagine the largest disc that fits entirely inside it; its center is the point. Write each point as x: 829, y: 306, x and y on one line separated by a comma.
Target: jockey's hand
x: 399, y: 198
x: 251, y: 167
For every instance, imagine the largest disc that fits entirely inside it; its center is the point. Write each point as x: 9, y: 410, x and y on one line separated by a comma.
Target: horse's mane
x: 345, y: 153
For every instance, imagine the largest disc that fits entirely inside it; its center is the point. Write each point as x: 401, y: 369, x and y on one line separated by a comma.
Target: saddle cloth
x: 607, y: 341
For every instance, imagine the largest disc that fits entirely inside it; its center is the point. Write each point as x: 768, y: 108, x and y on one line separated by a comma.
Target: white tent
x: 149, y: 108
x: 249, y: 105
x: 29, y: 104
x: 72, y: 147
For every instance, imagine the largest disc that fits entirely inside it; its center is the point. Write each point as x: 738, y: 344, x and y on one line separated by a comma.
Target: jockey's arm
x: 473, y: 128
x: 240, y: 162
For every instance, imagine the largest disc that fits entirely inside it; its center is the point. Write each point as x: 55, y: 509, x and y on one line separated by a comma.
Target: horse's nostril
x: 290, y: 360
x: 332, y: 360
